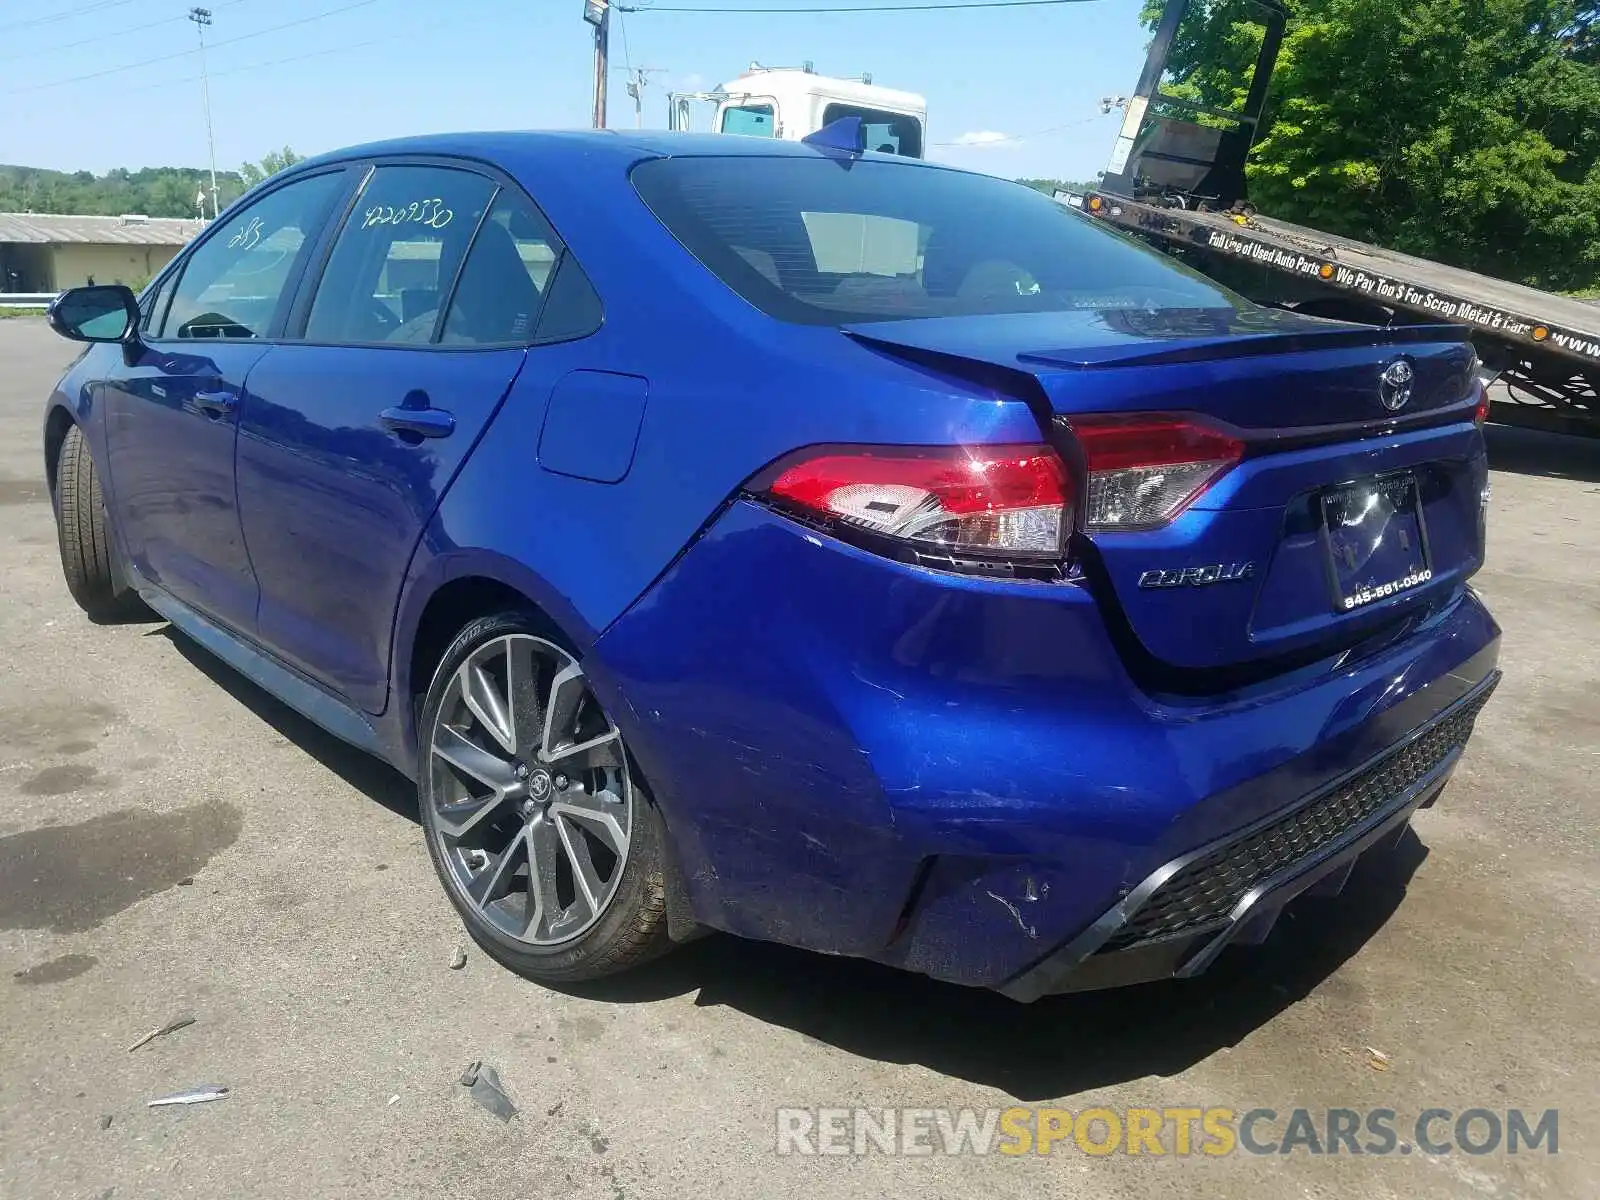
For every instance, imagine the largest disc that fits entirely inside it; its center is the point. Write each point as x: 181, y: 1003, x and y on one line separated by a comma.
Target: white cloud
x: 695, y: 82
x: 983, y: 137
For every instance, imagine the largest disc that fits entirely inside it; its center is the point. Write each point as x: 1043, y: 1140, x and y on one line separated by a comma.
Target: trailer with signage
x: 1177, y: 179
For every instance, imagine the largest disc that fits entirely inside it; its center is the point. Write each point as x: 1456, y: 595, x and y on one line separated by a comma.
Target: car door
x: 351, y: 434
x: 171, y: 410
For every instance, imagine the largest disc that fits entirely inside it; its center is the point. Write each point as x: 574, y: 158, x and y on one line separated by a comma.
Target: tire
x: 84, y: 534
x: 500, y: 783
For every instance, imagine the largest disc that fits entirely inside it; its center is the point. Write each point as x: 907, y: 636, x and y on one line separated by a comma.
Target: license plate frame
x: 1374, y: 536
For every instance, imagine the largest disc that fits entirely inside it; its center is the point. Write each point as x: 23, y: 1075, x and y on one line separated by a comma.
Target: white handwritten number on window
x: 248, y: 236
x: 431, y: 213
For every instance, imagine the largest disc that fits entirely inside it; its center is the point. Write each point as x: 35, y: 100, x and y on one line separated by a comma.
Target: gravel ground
x: 172, y: 840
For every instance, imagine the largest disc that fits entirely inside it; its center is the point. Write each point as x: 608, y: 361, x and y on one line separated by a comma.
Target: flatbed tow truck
x: 1180, y: 185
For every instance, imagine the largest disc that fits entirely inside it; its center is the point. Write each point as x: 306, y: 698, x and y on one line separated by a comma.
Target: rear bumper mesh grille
x: 1205, y: 892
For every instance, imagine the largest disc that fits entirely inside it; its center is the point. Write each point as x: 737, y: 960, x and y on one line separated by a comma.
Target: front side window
x: 886, y: 132
x: 153, y: 307
x: 806, y: 241
x: 753, y: 119
x: 396, y: 257
x: 233, y: 282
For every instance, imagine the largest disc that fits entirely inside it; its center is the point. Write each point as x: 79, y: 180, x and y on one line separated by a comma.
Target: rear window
x: 829, y: 242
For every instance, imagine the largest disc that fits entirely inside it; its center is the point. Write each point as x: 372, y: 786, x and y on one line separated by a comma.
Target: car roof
x: 516, y: 148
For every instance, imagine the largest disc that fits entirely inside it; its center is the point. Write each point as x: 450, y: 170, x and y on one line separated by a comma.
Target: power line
x: 160, y: 58
x: 622, y: 28
x: 294, y: 58
x: 102, y: 37
x: 1019, y: 137
x: 99, y: 37
x: 202, y: 18
x: 638, y: 79
x: 845, y: 8
x: 81, y: 10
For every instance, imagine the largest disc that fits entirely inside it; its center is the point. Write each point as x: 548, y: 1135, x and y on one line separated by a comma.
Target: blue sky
x: 318, y: 74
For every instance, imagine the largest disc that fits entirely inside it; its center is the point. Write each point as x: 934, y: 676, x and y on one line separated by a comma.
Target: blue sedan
x: 797, y: 542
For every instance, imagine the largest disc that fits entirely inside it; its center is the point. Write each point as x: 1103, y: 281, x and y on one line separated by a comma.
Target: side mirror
x: 101, y: 313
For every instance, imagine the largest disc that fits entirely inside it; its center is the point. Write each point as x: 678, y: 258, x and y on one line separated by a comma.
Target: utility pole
x: 636, y: 86
x: 598, y: 14
x: 201, y: 18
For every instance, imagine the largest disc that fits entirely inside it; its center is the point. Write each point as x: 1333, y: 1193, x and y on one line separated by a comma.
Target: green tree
x: 1049, y: 186
x: 271, y: 164
x: 1466, y: 131
x: 154, y: 191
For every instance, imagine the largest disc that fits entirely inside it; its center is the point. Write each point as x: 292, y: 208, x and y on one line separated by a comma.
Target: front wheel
x: 537, y: 822
x: 83, y: 532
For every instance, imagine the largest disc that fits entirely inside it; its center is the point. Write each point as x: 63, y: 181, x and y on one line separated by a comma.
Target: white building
x: 46, y: 252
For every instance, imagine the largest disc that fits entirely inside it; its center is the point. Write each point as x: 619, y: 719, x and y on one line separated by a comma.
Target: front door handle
x: 418, y: 422
x: 216, y: 405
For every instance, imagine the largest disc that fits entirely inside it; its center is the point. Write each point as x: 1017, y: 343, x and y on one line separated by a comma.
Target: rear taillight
x: 1480, y: 414
x: 1008, y: 501
x: 1146, y: 468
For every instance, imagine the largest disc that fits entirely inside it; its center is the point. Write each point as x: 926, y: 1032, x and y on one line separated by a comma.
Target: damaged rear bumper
x: 957, y: 776
x: 1177, y: 920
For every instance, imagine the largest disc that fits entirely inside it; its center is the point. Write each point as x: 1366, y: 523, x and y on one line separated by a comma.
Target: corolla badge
x: 1394, y: 385
x: 1198, y: 576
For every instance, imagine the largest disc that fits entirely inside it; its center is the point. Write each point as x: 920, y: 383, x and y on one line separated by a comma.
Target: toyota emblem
x: 1394, y: 385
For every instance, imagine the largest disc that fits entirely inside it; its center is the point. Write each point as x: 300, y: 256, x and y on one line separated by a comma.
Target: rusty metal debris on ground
x: 203, y: 1094
x: 171, y: 1026
x: 483, y: 1085
x: 459, y: 958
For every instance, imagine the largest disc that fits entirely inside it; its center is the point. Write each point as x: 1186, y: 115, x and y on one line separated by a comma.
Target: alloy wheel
x: 529, y: 789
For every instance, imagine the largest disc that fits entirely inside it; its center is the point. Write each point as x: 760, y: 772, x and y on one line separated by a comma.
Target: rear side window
x: 573, y: 307
x: 504, y: 280
x: 519, y: 284
x: 233, y: 282
x: 823, y: 242
x: 397, y: 255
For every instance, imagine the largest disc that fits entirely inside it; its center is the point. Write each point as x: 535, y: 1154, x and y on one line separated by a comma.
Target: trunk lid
x: 1260, y: 369
x: 1344, y: 515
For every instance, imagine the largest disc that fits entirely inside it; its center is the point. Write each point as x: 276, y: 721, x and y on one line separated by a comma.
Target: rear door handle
x: 216, y: 404
x: 418, y: 422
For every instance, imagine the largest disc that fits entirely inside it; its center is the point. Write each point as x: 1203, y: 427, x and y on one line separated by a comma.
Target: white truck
x: 793, y: 102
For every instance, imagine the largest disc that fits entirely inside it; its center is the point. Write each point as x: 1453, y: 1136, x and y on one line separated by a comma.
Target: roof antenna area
x: 847, y: 134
